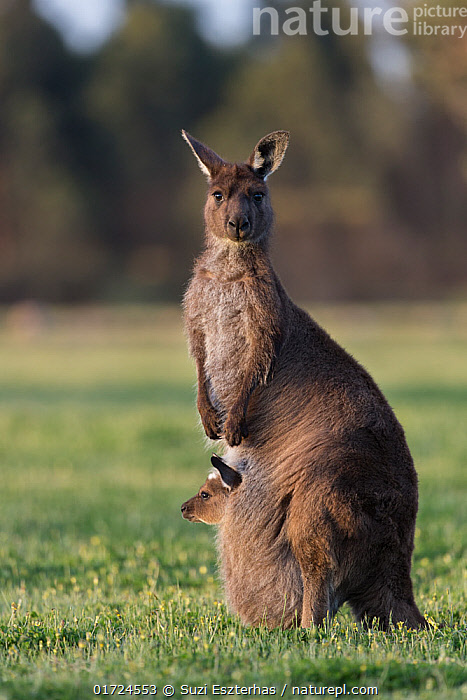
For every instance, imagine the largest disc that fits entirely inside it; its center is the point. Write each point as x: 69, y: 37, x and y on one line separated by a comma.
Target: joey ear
x: 229, y: 475
x: 209, y: 162
x: 268, y: 153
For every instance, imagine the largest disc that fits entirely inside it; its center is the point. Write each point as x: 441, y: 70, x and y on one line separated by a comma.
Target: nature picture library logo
x: 423, y: 19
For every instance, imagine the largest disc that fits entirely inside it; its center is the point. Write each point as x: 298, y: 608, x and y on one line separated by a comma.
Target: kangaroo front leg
x: 235, y: 427
x: 207, y: 412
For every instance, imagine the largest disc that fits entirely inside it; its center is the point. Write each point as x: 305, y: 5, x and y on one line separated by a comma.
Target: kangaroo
x: 326, y: 458
x: 272, y: 594
x: 208, y: 506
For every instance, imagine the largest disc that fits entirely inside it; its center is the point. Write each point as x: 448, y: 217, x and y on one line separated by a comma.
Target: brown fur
x: 275, y: 567
x: 209, y: 504
x: 331, y: 496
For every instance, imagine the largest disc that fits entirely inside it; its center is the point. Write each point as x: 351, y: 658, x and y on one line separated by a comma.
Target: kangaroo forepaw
x: 235, y: 430
x: 210, y: 424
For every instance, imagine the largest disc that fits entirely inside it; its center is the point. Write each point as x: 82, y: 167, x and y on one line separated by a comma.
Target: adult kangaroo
x: 330, y: 477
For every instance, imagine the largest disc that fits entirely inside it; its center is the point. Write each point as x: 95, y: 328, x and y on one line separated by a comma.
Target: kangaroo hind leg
x: 383, y: 609
x: 318, y: 595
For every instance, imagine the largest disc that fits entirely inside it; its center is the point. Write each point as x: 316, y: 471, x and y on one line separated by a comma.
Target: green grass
x: 102, y: 582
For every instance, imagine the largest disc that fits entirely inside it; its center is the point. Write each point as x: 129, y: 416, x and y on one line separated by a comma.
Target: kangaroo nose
x: 183, y: 508
x: 241, y: 226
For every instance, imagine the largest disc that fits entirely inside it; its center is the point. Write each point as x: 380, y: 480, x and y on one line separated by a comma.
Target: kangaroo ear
x: 268, y: 153
x: 231, y: 477
x: 209, y: 162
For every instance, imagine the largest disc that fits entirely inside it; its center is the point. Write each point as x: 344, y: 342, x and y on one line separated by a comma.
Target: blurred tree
x: 47, y: 239
x: 428, y: 183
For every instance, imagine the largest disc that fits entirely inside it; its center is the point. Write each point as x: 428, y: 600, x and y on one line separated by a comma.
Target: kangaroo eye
x: 258, y: 196
x: 218, y: 196
x: 205, y: 495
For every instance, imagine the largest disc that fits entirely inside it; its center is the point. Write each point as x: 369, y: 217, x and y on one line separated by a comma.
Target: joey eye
x: 205, y: 495
x: 258, y: 196
x: 218, y: 196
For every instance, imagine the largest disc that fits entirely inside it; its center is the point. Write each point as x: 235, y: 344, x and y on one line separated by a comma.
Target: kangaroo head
x: 238, y: 207
x: 208, y: 506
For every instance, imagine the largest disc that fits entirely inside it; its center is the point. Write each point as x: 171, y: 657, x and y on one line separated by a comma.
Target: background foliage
x: 99, y: 198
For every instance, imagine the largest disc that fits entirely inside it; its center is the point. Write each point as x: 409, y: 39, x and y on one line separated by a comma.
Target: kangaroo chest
x: 229, y: 339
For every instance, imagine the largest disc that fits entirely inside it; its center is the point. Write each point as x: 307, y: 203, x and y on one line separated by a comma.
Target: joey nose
x: 183, y: 508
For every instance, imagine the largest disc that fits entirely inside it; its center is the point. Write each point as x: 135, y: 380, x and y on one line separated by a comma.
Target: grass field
x: 101, y: 580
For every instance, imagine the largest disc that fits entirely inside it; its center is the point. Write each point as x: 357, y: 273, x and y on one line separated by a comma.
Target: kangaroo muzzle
x: 238, y: 228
